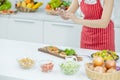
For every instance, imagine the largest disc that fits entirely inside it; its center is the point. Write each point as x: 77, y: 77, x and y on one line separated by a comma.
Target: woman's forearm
x: 98, y: 23
x: 93, y: 23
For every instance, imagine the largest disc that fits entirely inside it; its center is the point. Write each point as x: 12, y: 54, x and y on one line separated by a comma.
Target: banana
x: 29, y: 5
x: 23, y: 4
x: 37, y: 5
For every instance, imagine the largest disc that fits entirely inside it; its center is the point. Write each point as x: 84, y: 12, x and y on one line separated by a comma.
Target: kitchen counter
x: 40, y: 14
x: 11, y: 51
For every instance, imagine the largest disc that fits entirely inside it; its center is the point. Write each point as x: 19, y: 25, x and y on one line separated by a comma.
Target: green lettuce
x: 7, y: 5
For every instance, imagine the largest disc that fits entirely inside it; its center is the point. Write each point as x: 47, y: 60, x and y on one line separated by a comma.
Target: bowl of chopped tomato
x: 46, y: 65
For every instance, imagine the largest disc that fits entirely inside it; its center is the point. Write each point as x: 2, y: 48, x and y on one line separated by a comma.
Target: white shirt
x: 91, y: 1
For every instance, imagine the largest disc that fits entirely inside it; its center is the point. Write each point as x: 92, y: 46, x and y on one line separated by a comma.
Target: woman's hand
x: 62, y: 13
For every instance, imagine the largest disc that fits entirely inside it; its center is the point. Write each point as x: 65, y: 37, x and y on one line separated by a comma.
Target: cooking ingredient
x: 28, y: 1
x: 30, y: 5
x: 62, y: 7
x: 99, y: 69
x: 24, y: 4
x: 36, y: 6
x: 2, y: 2
x: 7, y: 5
x: 110, y: 64
x: 7, y: 12
x: 69, y: 67
x: 55, y: 3
x: 18, y: 4
x: 106, y: 55
x: 53, y: 49
x: 48, y: 6
x: 63, y: 54
x: 59, y: 4
x: 65, y: 3
x: 69, y: 52
x: 47, y: 67
x: 111, y: 70
x: 98, y: 61
x: 118, y: 68
x: 26, y: 62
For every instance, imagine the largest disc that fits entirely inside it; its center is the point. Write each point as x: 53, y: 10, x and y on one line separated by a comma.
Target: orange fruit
x: 28, y: 1
x: 47, y: 6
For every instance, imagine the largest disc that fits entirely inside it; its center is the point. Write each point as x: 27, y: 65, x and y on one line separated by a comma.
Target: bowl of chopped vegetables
x: 69, y: 67
x: 106, y: 55
x: 46, y: 65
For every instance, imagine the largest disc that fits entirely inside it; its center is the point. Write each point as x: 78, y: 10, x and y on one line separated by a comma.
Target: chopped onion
x: 118, y: 68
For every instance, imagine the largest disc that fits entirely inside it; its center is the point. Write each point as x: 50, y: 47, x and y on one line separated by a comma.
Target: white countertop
x: 11, y: 51
x: 40, y: 14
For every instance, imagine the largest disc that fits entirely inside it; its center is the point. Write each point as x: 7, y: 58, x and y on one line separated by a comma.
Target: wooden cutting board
x: 44, y: 49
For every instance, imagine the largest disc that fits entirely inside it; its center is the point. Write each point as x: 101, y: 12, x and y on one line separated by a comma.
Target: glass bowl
x: 26, y: 63
x: 69, y: 67
x: 46, y: 65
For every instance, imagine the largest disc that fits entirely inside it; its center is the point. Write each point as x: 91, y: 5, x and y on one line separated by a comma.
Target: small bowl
x: 26, y: 63
x: 46, y: 65
x: 69, y: 67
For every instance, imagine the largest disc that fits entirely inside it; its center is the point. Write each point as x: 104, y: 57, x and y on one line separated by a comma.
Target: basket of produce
x: 28, y: 5
x: 53, y: 6
x: 106, y: 55
x: 102, y: 70
x: 5, y: 5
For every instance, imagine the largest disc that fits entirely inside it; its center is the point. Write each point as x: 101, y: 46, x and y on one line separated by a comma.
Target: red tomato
x: 47, y: 67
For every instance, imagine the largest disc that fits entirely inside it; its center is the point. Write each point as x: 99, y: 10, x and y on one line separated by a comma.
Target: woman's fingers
x: 60, y: 11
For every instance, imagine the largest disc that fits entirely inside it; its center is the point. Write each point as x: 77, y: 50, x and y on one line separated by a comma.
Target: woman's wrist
x: 77, y: 20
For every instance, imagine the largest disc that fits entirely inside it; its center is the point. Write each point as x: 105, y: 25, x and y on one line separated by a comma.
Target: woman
x: 98, y: 28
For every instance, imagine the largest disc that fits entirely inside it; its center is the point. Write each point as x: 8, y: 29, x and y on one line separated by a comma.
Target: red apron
x: 96, y: 38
